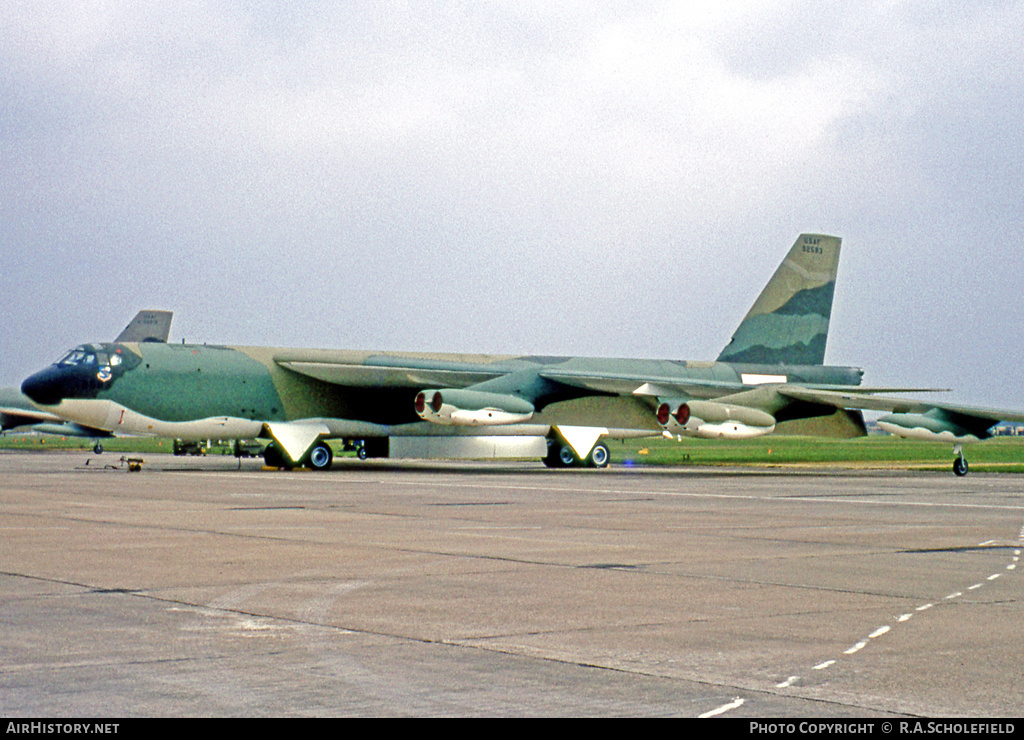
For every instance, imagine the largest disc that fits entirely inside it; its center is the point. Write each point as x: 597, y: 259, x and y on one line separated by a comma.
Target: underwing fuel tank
x: 713, y: 420
x: 459, y: 407
x: 934, y: 425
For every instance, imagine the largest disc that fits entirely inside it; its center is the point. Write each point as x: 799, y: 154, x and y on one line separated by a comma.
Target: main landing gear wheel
x: 599, y: 456
x: 320, y: 457
x: 273, y: 457
x: 566, y: 457
x: 561, y: 455
x: 372, y: 447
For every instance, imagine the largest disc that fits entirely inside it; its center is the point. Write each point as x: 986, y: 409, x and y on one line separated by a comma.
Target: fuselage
x: 199, y: 391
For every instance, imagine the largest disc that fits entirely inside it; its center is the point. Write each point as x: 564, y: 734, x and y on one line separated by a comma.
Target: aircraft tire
x: 374, y: 447
x: 320, y: 457
x: 97, y: 448
x: 550, y: 460
x: 554, y: 457
x: 960, y: 467
x: 274, y: 458
x: 566, y: 457
x: 599, y: 456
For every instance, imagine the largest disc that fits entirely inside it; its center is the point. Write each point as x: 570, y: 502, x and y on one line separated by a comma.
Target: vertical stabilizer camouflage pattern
x: 788, y: 323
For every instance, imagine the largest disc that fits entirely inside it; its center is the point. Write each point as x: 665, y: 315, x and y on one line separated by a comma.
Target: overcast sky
x: 586, y: 178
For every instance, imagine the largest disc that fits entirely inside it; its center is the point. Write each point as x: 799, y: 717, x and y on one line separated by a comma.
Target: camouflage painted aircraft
x: 455, y: 405
x: 17, y: 411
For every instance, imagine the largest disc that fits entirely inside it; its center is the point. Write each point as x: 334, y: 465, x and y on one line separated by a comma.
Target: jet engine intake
x: 714, y: 420
x: 460, y: 407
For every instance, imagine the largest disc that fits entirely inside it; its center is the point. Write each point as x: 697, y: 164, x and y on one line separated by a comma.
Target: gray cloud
x: 581, y: 178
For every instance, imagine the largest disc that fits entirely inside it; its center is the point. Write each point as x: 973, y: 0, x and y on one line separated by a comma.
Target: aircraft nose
x: 45, y: 387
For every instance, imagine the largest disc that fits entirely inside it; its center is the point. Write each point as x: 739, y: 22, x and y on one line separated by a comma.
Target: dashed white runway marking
x: 885, y: 629
x: 856, y: 648
x: 877, y: 633
x: 735, y: 704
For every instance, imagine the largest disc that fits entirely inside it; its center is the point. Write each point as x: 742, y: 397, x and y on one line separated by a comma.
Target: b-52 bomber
x: 559, y: 409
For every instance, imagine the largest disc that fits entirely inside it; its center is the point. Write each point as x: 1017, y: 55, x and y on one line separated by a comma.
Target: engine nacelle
x: 471, y: 408
x: 713, y: 420
x: 933, y: 426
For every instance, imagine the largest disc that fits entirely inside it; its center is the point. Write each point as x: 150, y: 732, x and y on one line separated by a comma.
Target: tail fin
x: 788, y: 323
x: 147, y: 326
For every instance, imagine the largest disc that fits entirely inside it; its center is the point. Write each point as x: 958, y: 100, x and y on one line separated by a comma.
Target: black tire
x: 551, y: 459
x: 599, y: 456
x: 566, y: 457
x: 320, y: 457
x: 960, y: 466
x: 273, y: 457
x: 97, y: 448
x: 374, y: 447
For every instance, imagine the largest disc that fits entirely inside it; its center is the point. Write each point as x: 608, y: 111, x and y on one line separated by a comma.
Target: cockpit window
x: 74, y: 357
x: 93, y: 355
x: 82, y: 356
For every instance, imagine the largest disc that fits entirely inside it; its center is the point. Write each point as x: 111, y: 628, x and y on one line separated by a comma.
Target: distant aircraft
x: 18, y: 411
x: 559, y: 409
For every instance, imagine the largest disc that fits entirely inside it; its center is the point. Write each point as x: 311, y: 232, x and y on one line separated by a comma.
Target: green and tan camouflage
x: 788, y: 324
x: 400, y: 404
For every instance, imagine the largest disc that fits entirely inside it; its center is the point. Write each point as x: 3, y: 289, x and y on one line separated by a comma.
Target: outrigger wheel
x: 960, y: 464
